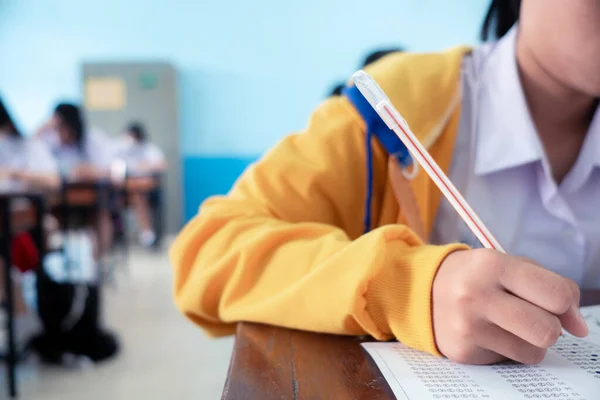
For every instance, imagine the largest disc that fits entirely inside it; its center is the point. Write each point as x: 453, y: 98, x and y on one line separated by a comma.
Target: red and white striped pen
x: 384, y: 107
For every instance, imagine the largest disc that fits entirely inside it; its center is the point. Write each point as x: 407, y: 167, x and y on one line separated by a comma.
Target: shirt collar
x: 505, y: 135
x: 591, y: 146
x: 588, y: 159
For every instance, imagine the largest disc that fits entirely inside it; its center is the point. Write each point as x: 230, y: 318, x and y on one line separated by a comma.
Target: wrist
x: 399, y: 297
x: 18, y: 175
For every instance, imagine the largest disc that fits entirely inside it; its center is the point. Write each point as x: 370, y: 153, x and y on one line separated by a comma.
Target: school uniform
x: 96, y: 149
x: 506, y: 177
x: 291, y: 244
x: 137, y: 155
x: 27, y: 155
x: 24, y: 154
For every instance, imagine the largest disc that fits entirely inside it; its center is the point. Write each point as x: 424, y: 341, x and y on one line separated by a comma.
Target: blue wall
x: 249, y: 71
x: 209, y: 184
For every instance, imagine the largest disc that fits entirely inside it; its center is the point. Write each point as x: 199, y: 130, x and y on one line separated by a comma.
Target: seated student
x: 377, y: 55
x: 515, y: 123
x: 369, y: 59
x: 25, y: 164
x: 142, y: 158
x: 82, y: 155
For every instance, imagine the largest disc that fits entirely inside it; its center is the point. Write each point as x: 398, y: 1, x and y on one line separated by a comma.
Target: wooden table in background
x: 87, y: 194
x: 276, y: 363
x: 96, y: 194
x: 82, y: 199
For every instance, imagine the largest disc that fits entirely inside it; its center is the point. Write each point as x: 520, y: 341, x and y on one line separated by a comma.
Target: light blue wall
x: 249, y: 71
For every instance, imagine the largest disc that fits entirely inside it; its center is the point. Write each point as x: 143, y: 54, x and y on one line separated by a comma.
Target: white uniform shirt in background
x: 24, y: 154
x: 97, y: 149
x: 137, y: 155
x: 501, y: 168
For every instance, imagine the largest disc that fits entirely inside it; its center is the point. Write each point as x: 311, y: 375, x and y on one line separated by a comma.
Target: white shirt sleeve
x: 154, y: 154
x: 50, y: 138
x: 121, y: 148
x: 101, y: 150
x: 40, y: 158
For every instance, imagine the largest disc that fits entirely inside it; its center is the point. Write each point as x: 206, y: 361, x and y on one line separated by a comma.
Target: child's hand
x: 488, y: 306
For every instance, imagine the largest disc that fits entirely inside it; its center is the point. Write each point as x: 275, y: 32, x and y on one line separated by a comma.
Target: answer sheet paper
x: 571, y: 370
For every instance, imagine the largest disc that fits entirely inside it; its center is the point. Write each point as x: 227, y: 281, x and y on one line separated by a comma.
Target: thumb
x: 573, y: 322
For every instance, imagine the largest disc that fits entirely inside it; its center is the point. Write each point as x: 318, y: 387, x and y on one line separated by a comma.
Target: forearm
x: 308, y: 276
x: 39, y: 180
x: 88, y: 172
x: 45, y: 128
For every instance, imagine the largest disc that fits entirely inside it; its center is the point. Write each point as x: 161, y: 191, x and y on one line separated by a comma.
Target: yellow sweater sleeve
x: 284, y: 247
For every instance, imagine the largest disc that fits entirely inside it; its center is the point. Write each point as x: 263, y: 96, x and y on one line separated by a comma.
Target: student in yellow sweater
x: 329, y: 232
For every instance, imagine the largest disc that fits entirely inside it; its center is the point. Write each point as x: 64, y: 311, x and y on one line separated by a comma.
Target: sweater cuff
x: 399, y: 296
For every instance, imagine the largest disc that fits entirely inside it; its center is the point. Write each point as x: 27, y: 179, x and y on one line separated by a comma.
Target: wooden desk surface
x: 277, y: 363
x: 81, y: 193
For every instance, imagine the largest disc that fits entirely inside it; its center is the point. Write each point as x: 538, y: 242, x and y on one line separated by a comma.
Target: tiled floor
x: 163, y: 357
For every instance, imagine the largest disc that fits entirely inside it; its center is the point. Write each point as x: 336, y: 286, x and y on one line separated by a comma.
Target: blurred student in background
x: 82, y: 155
x: 328, y: 233
x: 369, y: 59
x: 142, y: 158
x: 376, y: 55
x: 25, y: 165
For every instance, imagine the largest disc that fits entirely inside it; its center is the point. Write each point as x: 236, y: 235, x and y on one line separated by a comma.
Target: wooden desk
x: 80, y: 203
x: 277, y: 363
x: 81, y: 194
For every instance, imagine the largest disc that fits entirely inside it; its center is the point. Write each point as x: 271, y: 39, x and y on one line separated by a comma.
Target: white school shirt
x: 501, y: 168
x: 137, y: 154
x: 24, y: 154
x: 97, y: 150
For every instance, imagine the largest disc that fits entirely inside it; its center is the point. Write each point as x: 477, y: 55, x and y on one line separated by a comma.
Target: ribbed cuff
x: 399, y: 296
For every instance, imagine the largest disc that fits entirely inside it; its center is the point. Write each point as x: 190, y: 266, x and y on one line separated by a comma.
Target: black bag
x: 70, y: 316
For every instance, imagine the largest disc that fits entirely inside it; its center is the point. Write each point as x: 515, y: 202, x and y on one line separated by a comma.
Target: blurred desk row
x: 23, y: 211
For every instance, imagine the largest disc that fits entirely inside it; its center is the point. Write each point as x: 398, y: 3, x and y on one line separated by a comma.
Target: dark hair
x: 369, y: 59
x: 138, y: 132
x: 501, y: 16
x: 337, y: 90
x: 377, y: 54
x: 70, y: 115
x: 6, y: 120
